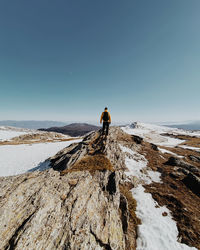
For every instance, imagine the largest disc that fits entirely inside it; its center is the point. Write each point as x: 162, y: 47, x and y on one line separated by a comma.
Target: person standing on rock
x: 106, y: 118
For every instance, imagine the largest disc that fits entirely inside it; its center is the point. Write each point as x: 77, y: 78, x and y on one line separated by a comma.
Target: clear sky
x: 68, y: 59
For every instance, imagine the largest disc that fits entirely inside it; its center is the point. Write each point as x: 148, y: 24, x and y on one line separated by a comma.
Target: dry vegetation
x: 91, y: 163
x: 20, y: 142
x: 133, y: 221
x: 191, y: 141
x: 172, y: 192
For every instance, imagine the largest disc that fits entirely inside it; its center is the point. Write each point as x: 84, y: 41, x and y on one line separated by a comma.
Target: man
x: 105, y: 116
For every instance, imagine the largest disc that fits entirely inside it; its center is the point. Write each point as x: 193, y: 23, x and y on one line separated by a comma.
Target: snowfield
x: 7, y: 133
x: 18, y: 159
x: 154, y: 134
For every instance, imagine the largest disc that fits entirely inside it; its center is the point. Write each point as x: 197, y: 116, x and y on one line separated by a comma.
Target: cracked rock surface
x: 77, y: 209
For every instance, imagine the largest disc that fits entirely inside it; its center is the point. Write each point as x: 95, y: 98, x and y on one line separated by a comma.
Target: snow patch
x: 189, y: 147
x: 162, y: 150
x: 18, y: 159
x: 9, y: 134
x: 137, y: 166
x: 156, y: 231
x: 152, y: 134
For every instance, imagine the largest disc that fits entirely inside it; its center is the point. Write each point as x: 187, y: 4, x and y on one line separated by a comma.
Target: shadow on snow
x: 41, y: 166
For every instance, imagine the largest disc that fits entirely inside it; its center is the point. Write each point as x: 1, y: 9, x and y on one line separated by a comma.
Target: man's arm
x: 109, y: 117
x: 101, y: 118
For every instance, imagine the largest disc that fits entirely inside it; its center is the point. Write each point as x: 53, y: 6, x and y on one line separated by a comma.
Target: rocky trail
x: 89, y: 198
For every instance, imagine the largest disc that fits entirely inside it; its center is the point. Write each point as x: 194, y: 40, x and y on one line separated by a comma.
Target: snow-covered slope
x: 156, y: 134
x: 20, y: 135
x: 7, y: 133
x: 158, y: 229
x: 18, y: 159
x: 28, y: 149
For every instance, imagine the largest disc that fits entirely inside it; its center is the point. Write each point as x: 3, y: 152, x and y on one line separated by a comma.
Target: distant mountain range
x: 188, y: 126
x: 82, y: 128
x: 31, y: 124
x: 74, y: 129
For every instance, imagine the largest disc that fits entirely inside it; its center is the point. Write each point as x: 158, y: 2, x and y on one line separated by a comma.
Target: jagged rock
x: 154, y: 147
x: 194, y: 158
x: 193, y: 183
x: 75, y: 209
x: 176, y: 175
x: 173, y: 161
x: 137, y: 139
x: 50, y: 211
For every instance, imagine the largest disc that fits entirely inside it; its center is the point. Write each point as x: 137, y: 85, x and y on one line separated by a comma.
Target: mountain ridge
x: 73, y: 129
x: 98, y: 191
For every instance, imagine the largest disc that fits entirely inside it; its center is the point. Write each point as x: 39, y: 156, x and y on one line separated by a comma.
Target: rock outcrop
x: 78, y: 207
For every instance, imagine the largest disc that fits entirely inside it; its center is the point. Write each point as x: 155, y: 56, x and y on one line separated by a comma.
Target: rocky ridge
x: 84, y: 200
x: 78, y: 209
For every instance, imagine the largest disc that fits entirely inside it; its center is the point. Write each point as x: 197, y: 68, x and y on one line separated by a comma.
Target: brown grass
x: 189, y: 140
x: 153, y: 157
x: 183, y: 204
x: 91, y: 163
x: 192, y: 142
x: 124, y: 137
x: 34, y: 142
x: 133, y: 220
x: 132, y: 204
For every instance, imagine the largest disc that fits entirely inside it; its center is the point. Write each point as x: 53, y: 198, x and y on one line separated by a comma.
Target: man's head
x: 106, y: 109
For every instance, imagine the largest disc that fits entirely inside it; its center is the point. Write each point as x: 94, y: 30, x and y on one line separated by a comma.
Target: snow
x: 156, y: 231
x: 188, y: 147
x: 9, y: 134
x: 153, y: 134
x: 137, y: 166
x: 162, y: 150
x: 18, y: 159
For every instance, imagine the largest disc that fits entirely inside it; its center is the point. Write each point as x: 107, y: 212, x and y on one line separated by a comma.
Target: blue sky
x: 66, y: 60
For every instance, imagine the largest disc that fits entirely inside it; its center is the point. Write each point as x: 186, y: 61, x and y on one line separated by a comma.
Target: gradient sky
x: 68, y: 59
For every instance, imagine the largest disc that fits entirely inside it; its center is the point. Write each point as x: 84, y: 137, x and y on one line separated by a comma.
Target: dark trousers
x: 105, y: 127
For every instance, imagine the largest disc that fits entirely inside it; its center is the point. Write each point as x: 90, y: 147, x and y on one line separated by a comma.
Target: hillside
x: 16, y: 136
x: 23, y: 150
x: 139, y: 189
x: 74, y: 129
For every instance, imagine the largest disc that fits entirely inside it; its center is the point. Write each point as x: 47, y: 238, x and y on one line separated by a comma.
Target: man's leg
x: 107, y: 127
x: 103, y: 129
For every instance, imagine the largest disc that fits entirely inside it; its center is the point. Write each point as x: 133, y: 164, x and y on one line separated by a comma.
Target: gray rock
x: 173, y: 161
x: 193, y: 183
x: 194, y: 158
x: 77, y: 210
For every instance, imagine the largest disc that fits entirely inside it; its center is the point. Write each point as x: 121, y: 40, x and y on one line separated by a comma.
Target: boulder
x: 193, y: 183
x: 173, y: 161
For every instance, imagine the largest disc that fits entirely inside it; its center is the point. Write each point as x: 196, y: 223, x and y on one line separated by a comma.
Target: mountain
x: 74, y: 129
x: 189, y: 126
x: 139, y: 187
x: 31, y: 124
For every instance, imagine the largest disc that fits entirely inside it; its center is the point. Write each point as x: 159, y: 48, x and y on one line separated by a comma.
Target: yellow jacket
x: 109, y: 117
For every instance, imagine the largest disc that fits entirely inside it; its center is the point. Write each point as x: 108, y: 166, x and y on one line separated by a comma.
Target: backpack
x: 105, y: 116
